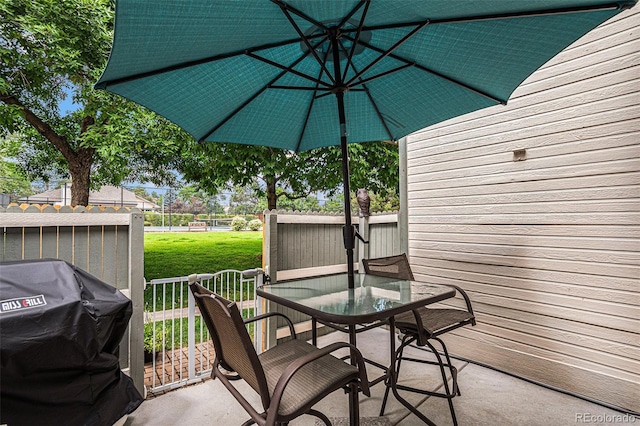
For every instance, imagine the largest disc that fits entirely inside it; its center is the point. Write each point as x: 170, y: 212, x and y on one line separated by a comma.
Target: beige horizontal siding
x: 547, y: 248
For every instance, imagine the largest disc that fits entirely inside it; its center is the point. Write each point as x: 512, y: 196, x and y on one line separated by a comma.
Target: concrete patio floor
x: 488, y: 398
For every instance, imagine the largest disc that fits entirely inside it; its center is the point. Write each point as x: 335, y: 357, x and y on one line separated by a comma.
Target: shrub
x: 177, y: 219
x: 238, y: 223
x: 160, y: 344
x: 255, y: 224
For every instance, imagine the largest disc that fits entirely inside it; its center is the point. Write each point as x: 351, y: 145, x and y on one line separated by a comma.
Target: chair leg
x: 456, y: 388
x: 449, y: 394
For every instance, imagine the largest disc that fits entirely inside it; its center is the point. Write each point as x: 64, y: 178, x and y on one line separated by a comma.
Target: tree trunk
x: 272, y: 197
x: 80, y: 171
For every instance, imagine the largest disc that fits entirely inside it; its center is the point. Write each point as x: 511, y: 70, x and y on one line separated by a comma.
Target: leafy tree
x: 141, y: 192
x: 291, y: 175
x: 12, y: 181
x: 198, y: 201
x: 52, y: 51
x: 245, y: 199
x: 379, y: 203
x: 309, y: 203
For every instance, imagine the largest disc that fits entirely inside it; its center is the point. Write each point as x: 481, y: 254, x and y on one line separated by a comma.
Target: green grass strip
x: 175, y: 254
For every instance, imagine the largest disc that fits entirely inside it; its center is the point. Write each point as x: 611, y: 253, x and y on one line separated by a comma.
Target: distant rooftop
x: 107, y: 195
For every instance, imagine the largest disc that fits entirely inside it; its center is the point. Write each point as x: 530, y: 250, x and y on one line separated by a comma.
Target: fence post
x: 270, y: 262
x: 270, y: 265
x: 403, y: 214
x: 191, y: 335
x: 363, y: 249
x: 136, y: 289
x: 258, y: 337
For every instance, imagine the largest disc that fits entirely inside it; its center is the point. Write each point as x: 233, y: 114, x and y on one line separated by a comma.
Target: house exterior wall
x: 549, y: 247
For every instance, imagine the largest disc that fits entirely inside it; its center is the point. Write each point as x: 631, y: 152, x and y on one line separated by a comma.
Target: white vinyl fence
x: 179, y: 346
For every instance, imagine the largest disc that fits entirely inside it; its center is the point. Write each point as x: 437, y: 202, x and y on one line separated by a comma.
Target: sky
x: 67, y: 105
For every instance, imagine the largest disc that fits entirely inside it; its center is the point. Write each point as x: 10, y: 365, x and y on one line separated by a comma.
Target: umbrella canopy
x: 301, y: 74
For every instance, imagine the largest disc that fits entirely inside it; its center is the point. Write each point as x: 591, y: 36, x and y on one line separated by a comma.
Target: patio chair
x: 391, y: 266
x: 421, y: 326
x: 289, y: 378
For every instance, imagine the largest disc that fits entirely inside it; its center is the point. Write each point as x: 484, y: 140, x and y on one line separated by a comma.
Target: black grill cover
x: 60, y: 328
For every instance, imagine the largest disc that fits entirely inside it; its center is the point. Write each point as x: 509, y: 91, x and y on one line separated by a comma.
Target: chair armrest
x: 421, y: 339
x: 465, y: 296
x: 291, y: 370
x: 271, y: 314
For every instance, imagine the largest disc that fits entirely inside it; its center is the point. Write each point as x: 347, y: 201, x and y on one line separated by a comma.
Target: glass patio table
x: 373, y: 301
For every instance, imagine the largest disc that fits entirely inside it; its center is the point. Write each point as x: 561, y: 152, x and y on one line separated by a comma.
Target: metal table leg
x: 354, y: 407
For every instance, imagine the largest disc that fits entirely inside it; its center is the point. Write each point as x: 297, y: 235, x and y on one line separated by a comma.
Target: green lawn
x: 175, y: 254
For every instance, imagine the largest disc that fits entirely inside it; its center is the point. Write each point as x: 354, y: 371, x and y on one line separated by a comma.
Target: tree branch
x: 291, y: 196
x: 60, y: 142
x: 86, y: 122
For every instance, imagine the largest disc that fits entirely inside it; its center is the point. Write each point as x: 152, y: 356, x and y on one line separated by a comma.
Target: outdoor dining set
x: 293, y: 376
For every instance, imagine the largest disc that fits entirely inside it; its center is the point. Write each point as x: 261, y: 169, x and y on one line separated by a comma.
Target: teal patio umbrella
x: 303, y: 74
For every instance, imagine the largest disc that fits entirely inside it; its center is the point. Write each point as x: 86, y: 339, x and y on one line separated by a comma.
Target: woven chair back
x: 390, y: 266
x: 232, y: 344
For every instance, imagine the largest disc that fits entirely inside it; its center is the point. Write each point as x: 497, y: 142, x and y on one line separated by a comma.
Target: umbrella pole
x: 338, y: 90
x: 347, y: 231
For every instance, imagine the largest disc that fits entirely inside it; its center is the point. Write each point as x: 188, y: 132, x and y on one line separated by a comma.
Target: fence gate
x: 178, y: 347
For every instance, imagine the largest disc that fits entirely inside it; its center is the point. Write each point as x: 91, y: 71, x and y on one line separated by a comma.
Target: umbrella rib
x: 310, y: 89
x: 234, y: 112
x: 353, y: 12
x: 375, y: 107
x: 175, y: 67
x: 286, y: 9
x: 622, y: 5
x: 535, y: 13
x: 383, y: 74
x: 377, y: 110
x: 389, y: 51
x: 287, y: 69
x: 366, y: 90
x: 332, y: 93
x: 295, y: 11
x: 436, y: 73
x: 308, y: 115
x: 306, y: 122
x: 250, y: 99
x: 354, y: 44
